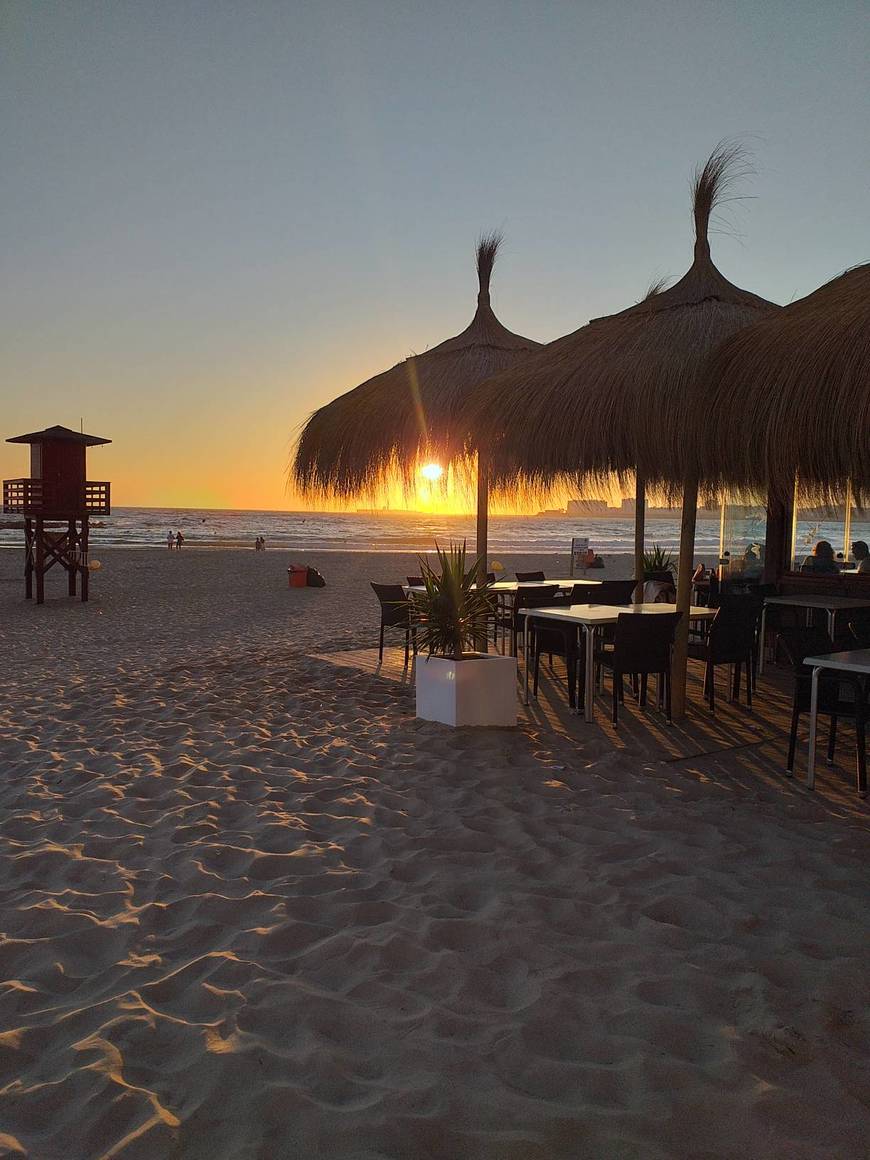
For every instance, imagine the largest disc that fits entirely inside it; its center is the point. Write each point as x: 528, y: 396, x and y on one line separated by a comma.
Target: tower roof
x: 57, y: 432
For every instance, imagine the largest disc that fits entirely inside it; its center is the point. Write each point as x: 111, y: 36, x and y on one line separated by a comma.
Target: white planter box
x: 479, y: 690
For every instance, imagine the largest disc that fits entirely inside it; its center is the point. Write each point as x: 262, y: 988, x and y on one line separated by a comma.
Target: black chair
x: 415, y: 581
x: 396, y: 612
x: 641, y: 645
x: 613, y: 592
x: 528, y: 598
x: 493, y: 615
x: 859, y: 627
x: 530, y: 577
x: 581, y: 594
x: 730, y: 641
x: 798, y: 643
x: 759, y: 592
x: 554, y: 639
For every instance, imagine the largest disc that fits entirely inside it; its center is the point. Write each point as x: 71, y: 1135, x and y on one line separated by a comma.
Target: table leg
x: 763, y: 637
x: 526, y: 663
x: 814, y: 712
x: 832, y: 622
x: 589, y: 630
x: 577, y: 709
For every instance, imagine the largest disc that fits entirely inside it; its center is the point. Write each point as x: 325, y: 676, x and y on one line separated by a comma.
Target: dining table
x: 510, y: 587
x: 855, y: 661
x: 829, y: 604
x: 505, y: 591
x: 589, y: 619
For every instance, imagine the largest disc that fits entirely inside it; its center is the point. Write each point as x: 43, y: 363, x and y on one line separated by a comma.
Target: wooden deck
x: 732, y: 750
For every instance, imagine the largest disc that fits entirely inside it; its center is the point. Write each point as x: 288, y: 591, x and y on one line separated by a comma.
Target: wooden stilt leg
x: 71, y: 557
x: 28, y: 559
x: 40, y: 562
x: 83, y: 556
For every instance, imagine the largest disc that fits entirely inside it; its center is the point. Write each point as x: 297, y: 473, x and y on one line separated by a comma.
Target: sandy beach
x: 251, y: 908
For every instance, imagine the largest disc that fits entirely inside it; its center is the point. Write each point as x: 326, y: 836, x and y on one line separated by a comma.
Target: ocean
x: 417, y: 532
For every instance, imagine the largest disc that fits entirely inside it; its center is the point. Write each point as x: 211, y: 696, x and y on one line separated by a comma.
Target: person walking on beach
x: 170, y: 540
x: 179, y: 540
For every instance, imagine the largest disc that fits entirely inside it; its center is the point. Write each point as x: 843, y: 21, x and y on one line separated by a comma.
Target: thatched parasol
x: 790, y: 396
x: 385, y: 426
x: 612, y: 398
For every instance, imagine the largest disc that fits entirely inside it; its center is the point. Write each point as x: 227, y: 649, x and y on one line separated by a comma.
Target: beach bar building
x: 57, y: 501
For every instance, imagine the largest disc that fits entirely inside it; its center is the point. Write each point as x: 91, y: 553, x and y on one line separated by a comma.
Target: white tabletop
x: 519, y: 585
x: 593, y: 614
x: 523, y: 585
x: 856, y: 660
x: 814, y: 600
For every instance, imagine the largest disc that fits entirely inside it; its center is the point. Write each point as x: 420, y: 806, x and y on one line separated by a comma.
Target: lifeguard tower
x: 57, y: 501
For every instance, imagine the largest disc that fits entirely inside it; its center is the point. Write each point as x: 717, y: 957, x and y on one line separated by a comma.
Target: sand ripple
x: 252, y: 909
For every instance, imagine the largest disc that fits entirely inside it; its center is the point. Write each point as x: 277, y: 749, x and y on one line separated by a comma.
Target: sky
x: 218, y: 216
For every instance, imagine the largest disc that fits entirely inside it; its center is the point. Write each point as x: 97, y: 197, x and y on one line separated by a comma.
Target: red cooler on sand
x: 297, y: 576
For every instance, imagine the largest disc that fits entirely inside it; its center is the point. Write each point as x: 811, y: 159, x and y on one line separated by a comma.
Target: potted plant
x: 658, y: 565
x: 456, y: 684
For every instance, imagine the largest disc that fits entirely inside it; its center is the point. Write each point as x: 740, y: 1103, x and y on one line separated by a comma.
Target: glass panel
x: 823, y: 524
x: 741, y: 549
x: 858, y: 533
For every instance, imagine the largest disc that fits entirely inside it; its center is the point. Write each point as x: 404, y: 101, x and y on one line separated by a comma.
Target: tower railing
x: 41, y: 497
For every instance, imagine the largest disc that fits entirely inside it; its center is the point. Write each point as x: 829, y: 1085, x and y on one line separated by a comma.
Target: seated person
x: 749, y: 566
x: 821, y: 560
x: 861, y: 556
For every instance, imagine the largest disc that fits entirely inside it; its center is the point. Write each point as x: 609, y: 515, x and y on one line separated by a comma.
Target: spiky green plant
x: 451, y: 614
x: 658, y: 560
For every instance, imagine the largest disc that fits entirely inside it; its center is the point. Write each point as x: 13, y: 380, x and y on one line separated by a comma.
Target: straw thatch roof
x: 391, y: 421
x: 611, y: 398
x: 791, y: 395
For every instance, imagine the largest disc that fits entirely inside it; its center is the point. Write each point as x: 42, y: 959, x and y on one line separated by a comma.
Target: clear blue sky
x: 219, y: 215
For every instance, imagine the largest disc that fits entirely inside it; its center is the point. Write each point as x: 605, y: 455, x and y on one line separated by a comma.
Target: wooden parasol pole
x: 482, y: 530
x: 639, y: 528
x: 482, y: 509
x: 684, y: 594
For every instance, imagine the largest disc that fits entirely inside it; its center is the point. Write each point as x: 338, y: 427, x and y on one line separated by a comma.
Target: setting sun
x: 432, y: 471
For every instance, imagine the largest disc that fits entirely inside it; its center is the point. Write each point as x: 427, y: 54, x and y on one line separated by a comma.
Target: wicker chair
x: 641, y: 645
x: 395, y: 613
x: 798, y: 643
